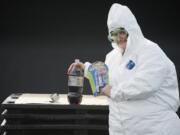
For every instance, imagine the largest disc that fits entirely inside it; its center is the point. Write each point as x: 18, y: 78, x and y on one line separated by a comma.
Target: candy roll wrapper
x: 98, y: 77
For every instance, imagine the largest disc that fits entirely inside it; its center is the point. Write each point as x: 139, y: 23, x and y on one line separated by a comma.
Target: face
x: 122, y: 40
x: 119, y: 36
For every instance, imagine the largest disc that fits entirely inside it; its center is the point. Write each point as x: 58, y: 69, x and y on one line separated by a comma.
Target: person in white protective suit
x: 143, y: 92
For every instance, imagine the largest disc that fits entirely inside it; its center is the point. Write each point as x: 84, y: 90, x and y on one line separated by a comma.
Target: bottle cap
x: 77, y: 60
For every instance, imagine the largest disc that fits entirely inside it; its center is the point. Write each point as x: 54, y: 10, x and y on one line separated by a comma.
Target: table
x: 28, y: 113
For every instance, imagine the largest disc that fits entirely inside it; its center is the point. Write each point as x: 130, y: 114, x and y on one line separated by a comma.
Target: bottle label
x: 75, y: 81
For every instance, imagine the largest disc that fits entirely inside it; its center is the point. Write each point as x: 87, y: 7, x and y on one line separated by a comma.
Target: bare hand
x: 106, y: 90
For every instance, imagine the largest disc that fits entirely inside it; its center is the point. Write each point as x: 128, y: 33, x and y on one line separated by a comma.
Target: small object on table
x: 54, y: 97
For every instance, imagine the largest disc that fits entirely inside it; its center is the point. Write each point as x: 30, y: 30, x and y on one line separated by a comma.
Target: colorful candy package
x: 98, y: 77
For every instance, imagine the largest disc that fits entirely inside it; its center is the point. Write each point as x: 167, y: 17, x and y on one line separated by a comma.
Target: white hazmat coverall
x: 144, y: 96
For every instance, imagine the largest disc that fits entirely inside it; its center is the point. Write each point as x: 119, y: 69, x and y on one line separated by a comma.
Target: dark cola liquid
x: 75, y: 85
x: 75, y: 94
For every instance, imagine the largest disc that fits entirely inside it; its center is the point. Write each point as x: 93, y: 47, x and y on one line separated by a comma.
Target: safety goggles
x: 113, y: 35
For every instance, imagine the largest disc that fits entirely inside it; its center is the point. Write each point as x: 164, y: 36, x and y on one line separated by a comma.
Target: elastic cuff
x: 116, y: 93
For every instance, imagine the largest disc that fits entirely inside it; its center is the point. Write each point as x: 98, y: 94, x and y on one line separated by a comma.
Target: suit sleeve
x: 150, y: 73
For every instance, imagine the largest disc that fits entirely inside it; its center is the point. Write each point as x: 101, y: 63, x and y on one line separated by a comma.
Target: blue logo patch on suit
x: 130, y: 65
